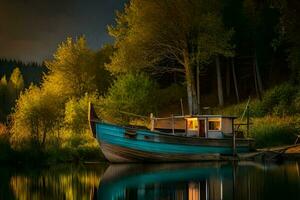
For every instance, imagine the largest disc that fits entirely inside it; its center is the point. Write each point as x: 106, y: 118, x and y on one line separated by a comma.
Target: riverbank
x: 89, y: 152
x: 275, y: 119
x: 275, y: 122
x: 293, y: 153
x: 273, y: 154
x: 74, y: 149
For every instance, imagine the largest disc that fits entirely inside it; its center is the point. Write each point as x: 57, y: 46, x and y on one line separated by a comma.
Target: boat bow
x: 92, y: 118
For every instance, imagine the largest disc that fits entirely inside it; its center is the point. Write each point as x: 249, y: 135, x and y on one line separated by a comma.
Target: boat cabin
x: 205, y: 126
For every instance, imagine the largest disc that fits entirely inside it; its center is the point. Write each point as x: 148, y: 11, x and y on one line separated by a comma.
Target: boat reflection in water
x: 195, y: 181
x: 165, y: 181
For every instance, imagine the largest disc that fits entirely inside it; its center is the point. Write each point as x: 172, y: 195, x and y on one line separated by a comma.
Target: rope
x: 242, y: 117
x: 122, y: 112
x: 245, y: 109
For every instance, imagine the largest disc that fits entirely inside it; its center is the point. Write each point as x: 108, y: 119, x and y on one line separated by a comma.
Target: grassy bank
x: 269, y: 130
x: 272, y: 131
x: 69, y: 148
x: 276, y: 118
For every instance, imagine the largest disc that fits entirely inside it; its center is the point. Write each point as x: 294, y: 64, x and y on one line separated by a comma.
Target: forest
x: 15, y: 76
x: 211, y: 55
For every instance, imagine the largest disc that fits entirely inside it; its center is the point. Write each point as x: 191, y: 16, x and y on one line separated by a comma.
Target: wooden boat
x: 191, y: 138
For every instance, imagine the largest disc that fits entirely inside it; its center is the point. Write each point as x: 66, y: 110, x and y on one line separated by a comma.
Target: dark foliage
x: 32, y: 72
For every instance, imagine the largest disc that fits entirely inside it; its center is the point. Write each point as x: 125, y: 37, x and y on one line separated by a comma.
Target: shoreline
x: 280, y: 153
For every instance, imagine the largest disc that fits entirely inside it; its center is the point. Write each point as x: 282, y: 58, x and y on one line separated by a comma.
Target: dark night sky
x: 30, y: 30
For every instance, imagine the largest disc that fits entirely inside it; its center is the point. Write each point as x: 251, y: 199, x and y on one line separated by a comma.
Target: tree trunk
x: 198, y: 88
x: 259, y: 81
x: 235, y: 81
x: 258, y: 93
x: 219, y: 80
x: 228, y: 84
x: 190, y: 84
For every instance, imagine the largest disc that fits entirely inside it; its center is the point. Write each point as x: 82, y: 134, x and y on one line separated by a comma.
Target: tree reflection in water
x: 59, y: 182
x: 185, y: 181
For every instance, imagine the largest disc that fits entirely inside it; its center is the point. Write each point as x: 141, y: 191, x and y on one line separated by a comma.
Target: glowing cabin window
x: 192, y: 124
x: 214, y: 125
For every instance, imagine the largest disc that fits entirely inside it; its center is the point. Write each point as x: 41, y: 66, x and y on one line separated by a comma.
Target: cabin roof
x: 210, y: 116
x: 196, y: 116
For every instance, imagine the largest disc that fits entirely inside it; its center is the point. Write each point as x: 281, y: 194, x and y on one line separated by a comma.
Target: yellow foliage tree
x: 76, y: 70
x: 38, y: 112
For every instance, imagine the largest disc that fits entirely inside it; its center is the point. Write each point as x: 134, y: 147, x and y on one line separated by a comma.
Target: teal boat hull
x: 123, y: 144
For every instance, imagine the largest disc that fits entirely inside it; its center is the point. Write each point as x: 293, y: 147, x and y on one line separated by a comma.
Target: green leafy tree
x: 76, y: 112
x: 102, y: 77
x: 132, y: 93
x: 186, y: 32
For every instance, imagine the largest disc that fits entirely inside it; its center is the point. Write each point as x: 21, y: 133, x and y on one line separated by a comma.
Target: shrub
x: 277, y: 101
x: 281, y: 100
x: 4, y: 132
x: 76, y: 113
x: 80, y: 147
x: 296, y: 103
x: 274, y: 131
x: 5, y: 148
x: 239, y: 109
x: 133, y: 93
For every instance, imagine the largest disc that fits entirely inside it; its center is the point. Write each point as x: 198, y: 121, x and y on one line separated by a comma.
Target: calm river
x: 193, y: 181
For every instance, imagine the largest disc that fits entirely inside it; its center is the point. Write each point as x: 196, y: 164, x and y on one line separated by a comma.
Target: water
x: 193, y: 181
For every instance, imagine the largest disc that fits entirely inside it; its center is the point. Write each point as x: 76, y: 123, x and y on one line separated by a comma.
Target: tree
x: 37, y: 113
x: 186, y: 32
x: 16, y: 79
x: 3, y: 81
x: 15, y: 86
x: 76, y: 70
x: 253, y: 10
x: 75, y: 74
x: 219, y: 81
x: 261, y: 19
x: 289, y: 30
x: 76, y: 112
x: 103, y: 77
x: 132, y: 93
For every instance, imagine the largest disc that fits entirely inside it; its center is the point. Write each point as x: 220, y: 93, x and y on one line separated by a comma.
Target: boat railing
x: 188, y: 116
x: 171, y: 117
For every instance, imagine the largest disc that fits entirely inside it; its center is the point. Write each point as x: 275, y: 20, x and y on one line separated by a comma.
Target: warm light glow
x: 192, y: 124
x: 194, y: 191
